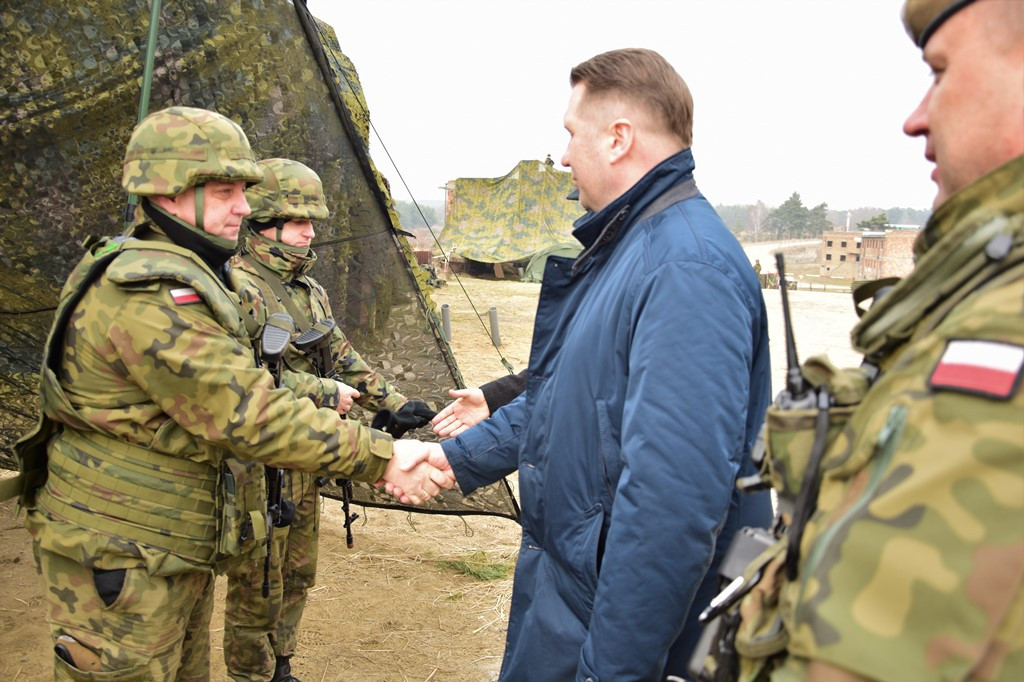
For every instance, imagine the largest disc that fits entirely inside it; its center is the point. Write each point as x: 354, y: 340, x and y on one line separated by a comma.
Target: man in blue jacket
x: 648, y: 380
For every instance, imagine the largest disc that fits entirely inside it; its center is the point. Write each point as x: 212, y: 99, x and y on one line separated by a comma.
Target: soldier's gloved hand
x: 412, y: 415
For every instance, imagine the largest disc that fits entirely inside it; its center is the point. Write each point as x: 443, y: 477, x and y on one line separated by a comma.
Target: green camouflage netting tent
x: 509, y: 219
x: 69, y: 98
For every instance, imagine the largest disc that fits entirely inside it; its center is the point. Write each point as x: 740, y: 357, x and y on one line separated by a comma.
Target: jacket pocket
x: 109, y: 584
x: 609, y: 452
x: 584, y: 544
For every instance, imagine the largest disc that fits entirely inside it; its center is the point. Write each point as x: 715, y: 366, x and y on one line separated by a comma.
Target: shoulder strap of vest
x: 918, y: 310
x: 317, y: 295
x: 271, y: 278
x: 51, y: 353
x: 868, y: 290
x: 251, y: 326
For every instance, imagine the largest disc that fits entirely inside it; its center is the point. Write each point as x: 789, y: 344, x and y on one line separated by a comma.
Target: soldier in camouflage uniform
x: 271, y: 275
x: 911, y: 566
x: 133, y: 483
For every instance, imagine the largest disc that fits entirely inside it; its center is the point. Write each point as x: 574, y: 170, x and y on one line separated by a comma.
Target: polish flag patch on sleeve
x: 185, y: 295
x: 987, y: 368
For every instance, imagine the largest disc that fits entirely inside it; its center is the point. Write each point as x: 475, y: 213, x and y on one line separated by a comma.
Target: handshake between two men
x: 417, y: 472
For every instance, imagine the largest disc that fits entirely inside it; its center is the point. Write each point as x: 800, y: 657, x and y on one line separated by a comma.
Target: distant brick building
x: 839, y: 254
x: 887, y: 254
x: 867, y: 255
x: 872, y: 255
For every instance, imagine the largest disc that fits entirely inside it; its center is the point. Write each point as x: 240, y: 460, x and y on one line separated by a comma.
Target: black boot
x: 283, y: 671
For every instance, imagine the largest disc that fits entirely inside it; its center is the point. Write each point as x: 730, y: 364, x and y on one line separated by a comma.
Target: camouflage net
x: 498, y: 220
x: 68, y: 101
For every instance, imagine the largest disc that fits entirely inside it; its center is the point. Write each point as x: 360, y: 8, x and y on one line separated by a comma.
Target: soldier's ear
x: 168, y: 204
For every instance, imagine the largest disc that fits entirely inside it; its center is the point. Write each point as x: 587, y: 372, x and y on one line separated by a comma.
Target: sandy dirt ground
x: 391, y: 609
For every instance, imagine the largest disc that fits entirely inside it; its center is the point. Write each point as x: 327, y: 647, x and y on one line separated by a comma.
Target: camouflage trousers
x: 132, y: 625
x: 258, y: 628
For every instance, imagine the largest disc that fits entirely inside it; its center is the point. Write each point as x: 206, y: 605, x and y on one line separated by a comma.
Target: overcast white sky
x: 790, y: 95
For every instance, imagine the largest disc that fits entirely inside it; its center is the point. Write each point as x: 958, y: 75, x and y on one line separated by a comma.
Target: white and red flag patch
x: 185, y: 295
x: 986, y: 368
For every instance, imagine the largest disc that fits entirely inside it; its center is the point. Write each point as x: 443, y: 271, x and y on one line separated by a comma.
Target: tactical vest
x: 973, y: 243
x: 207, y: 514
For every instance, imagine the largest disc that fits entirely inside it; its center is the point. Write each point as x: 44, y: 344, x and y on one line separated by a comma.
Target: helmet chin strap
x: 199, y: 207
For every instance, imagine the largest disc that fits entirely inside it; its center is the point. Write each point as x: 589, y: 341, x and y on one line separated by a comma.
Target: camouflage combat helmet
x: 181, y: 147
x: 289, y: 191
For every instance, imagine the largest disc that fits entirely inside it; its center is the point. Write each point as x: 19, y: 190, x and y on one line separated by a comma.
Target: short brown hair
x: 645, y: 76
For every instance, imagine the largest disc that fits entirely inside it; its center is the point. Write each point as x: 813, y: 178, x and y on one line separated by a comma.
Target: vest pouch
x: 789, y: 441
x: 241, y: 518
x: 790, y: 432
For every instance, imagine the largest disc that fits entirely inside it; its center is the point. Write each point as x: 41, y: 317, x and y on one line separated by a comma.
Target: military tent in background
x: 69, y: 98
x: 509, y: 219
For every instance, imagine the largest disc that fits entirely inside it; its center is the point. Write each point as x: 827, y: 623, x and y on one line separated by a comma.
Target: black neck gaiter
x: 189, y: 238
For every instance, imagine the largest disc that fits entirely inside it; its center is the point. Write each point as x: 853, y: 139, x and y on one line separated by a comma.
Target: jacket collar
x: 595, y: 230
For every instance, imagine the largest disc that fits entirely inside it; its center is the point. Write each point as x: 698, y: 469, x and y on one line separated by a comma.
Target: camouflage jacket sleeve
x: 913, y: 565
x: 323, y: 392
x: 207, y: 382
x: 374, y: 390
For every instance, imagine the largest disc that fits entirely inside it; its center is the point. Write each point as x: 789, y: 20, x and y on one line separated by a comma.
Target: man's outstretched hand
x: 468, y: 409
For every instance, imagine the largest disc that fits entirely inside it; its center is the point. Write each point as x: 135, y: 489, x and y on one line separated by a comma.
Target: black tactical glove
x: 412, y: 415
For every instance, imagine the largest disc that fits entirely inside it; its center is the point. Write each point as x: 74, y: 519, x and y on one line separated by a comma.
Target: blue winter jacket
x: 648, y: 379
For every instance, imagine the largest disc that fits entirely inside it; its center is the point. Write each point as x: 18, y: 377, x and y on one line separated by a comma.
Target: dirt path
x: 387, y: 610
x: 390, y: 609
